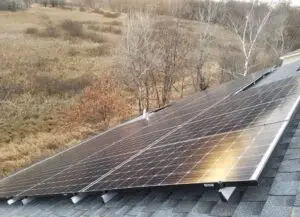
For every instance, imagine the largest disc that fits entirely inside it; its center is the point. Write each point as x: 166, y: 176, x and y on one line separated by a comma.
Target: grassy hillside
x: 48, y: 58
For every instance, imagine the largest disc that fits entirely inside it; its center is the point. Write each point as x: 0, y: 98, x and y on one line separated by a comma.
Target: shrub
x: 111, y: 14
x: 32, y: 31
x: 73, y: 28
x: 100, y: 103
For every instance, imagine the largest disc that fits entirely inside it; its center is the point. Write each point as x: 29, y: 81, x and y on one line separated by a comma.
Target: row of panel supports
x: 225, y: 194
x: 75, y: 199
x: 24, y: 200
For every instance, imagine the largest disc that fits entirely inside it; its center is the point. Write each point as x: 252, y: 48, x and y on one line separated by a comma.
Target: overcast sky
x: 294, y: 2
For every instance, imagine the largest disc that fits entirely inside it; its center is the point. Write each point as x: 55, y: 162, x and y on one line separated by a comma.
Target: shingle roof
x: 290, y: 54
x: 286, y: 71
x: 278, y: 194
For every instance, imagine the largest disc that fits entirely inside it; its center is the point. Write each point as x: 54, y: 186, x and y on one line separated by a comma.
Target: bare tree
x: 206, y: 16
x: 174, y: 46
x: 248, y: 31
x: 275, y: 34
x: 136, y: 56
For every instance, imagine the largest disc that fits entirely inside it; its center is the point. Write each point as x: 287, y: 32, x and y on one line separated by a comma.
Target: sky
x: 296, y: 2
x: 293, y: 2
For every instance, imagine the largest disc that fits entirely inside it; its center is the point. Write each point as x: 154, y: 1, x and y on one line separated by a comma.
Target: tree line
x: 158, y: 57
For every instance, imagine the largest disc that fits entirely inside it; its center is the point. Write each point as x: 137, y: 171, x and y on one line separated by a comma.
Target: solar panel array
x: 203, y: 160
x: 209, y: 137
x: 225, y: 143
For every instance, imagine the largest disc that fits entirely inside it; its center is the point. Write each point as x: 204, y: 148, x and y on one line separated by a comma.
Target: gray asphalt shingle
x: 247, y: 209
x: 284, y: 188
x: 276, y: 211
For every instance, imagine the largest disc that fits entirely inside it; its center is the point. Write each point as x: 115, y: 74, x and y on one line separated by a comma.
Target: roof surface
x: 280, y: 73
x: 278, y: 192
x: 290, y: 54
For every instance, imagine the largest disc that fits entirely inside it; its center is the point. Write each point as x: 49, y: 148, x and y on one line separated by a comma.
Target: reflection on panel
x: 225, y: 157
x: 258, y: 106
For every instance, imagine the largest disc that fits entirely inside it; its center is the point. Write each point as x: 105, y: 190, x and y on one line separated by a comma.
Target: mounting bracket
x: 226, y: 193
x: 14, y: 200
x: 108, y: 196
x: 27, y: 200
x: 77, y: 198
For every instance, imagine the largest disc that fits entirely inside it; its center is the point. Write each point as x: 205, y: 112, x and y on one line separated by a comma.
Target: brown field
x: 48, y: 56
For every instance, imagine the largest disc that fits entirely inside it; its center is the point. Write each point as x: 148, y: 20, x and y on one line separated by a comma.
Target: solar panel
x: 225, y: 147
x: 89, y: 164
x: 228, y: 157
x: 97, y: 164
x: 31, y: 176
x: 190, y: 104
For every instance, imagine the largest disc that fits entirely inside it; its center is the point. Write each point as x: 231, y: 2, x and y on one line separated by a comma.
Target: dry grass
x: 49, y: 31
x: 37, y: 86
x: 18, y: 154
x: 31, y: 30
x: 73, y: 51
x: 70, y: 30
x: 95, y: 37
x: 98, y: 11
x: 111, y: 29
x: 105, y: 28
x: 114, y: 23
x: 101, y: 50
x: 109, y: 14
x: 93, y: 27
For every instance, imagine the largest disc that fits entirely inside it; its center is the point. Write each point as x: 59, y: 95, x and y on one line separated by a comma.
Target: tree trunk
x: 155, y: 89
x: 246, y: 66
x: 147, y: 95
x: 140, y: 101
